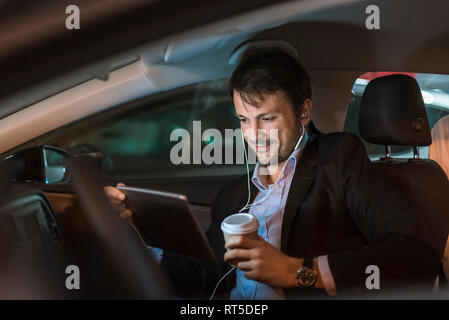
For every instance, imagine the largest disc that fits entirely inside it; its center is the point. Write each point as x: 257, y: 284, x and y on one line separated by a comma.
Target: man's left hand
x: 262, y: 262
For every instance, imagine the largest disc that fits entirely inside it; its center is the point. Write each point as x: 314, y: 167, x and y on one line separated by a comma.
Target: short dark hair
x: 267, y: 70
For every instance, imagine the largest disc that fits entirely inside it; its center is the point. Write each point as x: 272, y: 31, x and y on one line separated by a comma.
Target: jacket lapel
x: 301, y: 182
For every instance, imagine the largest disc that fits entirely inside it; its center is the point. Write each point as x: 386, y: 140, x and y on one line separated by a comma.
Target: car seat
x: 392, y: 113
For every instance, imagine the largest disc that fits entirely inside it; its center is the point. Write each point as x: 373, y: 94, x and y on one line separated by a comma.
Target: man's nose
x: 253, y: 131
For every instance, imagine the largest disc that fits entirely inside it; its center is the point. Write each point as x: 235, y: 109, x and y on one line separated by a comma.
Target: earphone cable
x: 248, y: 205
x: 213, y: 293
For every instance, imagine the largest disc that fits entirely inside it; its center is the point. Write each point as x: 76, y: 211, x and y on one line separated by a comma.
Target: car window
x: 137, y: 143
x: 435, y: 92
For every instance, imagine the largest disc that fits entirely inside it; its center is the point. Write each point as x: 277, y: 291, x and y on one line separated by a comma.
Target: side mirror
x: 54, y: 165
x: 41, y: 164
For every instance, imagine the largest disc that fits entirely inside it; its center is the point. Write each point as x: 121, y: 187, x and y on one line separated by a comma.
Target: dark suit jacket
x: 338, y: 205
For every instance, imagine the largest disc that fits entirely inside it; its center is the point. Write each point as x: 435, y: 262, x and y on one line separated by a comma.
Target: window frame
x: 150, y: 103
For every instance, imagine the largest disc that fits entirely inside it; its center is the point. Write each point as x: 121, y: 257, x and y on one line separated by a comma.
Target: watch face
x: 307, y: 277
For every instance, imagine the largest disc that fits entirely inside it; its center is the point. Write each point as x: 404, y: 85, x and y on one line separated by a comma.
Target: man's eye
x: 242, y: 120
x: 268, y: 119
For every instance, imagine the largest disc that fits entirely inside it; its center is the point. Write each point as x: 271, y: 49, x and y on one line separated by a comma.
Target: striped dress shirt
x: 269, y: 210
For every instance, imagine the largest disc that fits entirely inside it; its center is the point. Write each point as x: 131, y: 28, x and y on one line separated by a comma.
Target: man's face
x: 273, y: 113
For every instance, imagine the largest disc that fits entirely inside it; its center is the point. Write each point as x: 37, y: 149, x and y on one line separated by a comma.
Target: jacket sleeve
x: 399, y: 240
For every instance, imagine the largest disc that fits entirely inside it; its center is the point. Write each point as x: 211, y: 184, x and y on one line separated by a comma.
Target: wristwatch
x: 306, y: 275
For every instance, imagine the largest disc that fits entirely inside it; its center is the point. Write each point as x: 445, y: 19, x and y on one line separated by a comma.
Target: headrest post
x: 415, y: 152
x: 387, y: 152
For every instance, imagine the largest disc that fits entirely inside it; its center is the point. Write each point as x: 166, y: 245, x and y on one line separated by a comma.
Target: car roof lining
x: 175, y: 51
x: 301, y: 24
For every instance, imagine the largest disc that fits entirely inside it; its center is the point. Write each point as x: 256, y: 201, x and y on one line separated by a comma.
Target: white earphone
x: 248, y: 205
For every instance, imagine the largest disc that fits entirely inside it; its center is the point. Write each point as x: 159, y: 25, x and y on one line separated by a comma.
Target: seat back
x: 392, y: 112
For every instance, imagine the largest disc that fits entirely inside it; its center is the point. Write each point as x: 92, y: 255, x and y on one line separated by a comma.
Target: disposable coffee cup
x: 240, y: 224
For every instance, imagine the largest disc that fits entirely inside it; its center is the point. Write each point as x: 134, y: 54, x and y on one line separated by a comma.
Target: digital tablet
x: 166, y: 221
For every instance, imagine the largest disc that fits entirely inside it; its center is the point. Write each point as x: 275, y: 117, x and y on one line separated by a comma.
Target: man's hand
x: 262, y: 262
x: 117, y: 198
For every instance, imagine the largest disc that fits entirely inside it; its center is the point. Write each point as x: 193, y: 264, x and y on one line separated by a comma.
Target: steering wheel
x: 138, y: 268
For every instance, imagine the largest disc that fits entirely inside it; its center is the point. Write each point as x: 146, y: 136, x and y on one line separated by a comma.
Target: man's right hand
x: 117, y: 199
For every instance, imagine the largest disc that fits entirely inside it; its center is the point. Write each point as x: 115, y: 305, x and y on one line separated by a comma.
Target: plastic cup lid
x: 240, y: 223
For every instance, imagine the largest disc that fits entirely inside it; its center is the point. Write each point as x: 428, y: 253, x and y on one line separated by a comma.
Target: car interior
x: 112, y: 120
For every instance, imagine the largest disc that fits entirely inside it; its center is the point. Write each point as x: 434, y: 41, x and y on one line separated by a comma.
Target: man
x: 325, y: 213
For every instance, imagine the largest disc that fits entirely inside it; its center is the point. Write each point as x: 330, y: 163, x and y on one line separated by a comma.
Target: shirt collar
x: 260, y: 181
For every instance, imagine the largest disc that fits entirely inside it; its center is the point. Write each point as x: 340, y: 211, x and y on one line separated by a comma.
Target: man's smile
x: 263, y: 148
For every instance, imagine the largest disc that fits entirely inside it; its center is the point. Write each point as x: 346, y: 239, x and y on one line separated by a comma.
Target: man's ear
x: 306, y: 112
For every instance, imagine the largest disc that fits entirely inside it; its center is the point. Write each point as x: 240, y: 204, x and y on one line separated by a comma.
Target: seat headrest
x: 392, y: 112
